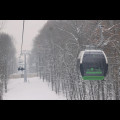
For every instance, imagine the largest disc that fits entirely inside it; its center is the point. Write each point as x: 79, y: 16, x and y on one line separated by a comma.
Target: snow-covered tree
x: 7, y: 60
x: 56, y: 51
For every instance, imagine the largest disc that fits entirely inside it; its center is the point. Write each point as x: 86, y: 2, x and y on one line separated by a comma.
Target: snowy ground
x: 35, y: 89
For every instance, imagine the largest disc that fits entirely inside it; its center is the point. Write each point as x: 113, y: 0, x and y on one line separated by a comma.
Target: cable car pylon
x: 23, y: 53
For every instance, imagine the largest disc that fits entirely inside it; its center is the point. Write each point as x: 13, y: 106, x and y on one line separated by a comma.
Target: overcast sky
x: 14, y: 28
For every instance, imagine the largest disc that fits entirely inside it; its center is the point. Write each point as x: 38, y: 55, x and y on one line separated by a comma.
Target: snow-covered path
x: 35, y: 89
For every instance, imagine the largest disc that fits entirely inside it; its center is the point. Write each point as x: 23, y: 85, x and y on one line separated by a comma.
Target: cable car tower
x: 23, y: 65
x: 93, y: 62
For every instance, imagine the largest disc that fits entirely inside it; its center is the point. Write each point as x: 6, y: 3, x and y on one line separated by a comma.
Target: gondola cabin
x: 93, y: 64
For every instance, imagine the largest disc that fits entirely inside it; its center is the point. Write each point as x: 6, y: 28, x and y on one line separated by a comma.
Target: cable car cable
x: 22, y: 42
x: 22, y: 36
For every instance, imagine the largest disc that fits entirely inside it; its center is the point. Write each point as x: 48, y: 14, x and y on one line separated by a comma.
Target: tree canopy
x: 56, y: 51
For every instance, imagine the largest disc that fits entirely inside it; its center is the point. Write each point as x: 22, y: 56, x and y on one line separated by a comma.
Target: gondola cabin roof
x: 91, y: 52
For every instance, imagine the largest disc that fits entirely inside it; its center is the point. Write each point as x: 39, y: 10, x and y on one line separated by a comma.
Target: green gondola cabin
x: 93, y: 64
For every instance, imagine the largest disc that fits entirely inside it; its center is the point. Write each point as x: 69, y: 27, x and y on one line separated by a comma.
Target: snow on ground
x: 34, y: 89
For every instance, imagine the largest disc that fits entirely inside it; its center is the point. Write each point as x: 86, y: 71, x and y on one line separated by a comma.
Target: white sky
x: 14, y: 28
